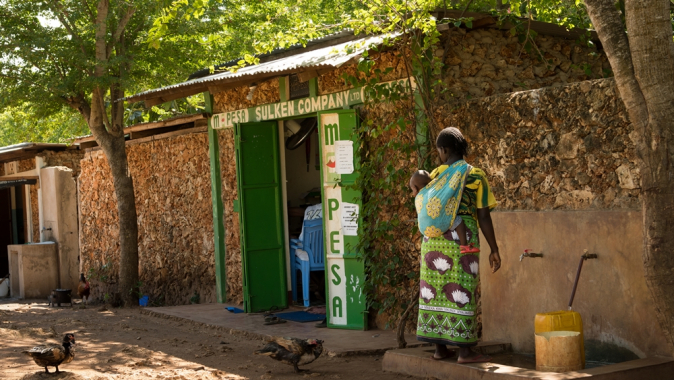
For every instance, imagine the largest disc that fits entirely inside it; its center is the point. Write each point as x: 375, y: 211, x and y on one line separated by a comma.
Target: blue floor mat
x: 301, y: 316
x: 234, y: 310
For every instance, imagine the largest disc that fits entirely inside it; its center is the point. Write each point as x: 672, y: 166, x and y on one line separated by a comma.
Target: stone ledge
x: 339, y: 351
x: 417, y: 362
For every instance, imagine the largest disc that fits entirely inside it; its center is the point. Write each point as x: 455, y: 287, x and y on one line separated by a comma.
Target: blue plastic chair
x: 312, y: 243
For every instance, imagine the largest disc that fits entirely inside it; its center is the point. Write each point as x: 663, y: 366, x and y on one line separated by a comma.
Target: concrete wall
x: 36, y: 268
x: 612, y: 297
x: 59, y: 206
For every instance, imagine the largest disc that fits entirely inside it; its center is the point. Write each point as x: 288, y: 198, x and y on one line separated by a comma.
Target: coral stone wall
x: 175, y: 222
x: 567, y: 147
x: 483, y: 62
x: 70, y: 158
x: 34, y: 213
x: 26, y: 165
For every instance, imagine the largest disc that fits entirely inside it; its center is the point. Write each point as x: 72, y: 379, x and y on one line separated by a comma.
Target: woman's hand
x: 494, y: 261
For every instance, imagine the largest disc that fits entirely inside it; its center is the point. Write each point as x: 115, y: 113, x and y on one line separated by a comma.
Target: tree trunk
x: 115, y: 152
x: 642, y: 61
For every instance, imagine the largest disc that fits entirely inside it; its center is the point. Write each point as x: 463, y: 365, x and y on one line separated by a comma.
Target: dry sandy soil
x: 125, y: 344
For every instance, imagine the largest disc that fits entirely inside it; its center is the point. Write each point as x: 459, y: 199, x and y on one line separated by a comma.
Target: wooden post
x: 218, y: 211
x: 313, y: 87
x: 283, y: 88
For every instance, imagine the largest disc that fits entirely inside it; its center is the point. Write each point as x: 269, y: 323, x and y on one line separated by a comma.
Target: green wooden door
x: 345, y: 272
x: 261, y: 216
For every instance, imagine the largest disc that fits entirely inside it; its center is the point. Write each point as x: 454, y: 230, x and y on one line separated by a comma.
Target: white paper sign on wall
x: 349, y: 219
x: 344, y: 156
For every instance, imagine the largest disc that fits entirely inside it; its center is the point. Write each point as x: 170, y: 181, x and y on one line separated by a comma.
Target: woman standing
x: 447, y: 295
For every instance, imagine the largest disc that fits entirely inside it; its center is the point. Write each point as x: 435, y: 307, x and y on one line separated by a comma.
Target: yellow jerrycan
x: 565, y: 320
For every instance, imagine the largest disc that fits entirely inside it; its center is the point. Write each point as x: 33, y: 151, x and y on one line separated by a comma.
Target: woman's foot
x: 441, y: 352
x: 449, y: 355
x: 467, y: 355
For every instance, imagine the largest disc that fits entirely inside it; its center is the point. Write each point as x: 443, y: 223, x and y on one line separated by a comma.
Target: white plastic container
x: 4, y: 287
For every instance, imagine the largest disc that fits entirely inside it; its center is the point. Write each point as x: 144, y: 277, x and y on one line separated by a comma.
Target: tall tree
x: 641, y: 53
x: 85, y: 54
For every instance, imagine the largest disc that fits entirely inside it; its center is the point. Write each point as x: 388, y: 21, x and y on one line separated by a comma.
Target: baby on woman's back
x: 421, y: 179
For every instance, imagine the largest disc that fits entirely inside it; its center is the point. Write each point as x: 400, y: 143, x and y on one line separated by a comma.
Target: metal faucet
x: 528, y: 253
x: 586, y: 255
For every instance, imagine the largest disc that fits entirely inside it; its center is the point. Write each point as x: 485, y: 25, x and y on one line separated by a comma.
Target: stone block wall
x: 484, y: 62
x: 175, y: 220
x: 567, y: 147
x: 70, y: 158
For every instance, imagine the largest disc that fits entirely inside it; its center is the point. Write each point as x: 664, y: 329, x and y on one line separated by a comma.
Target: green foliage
x: 137, y: 113
x: 47, y: 59
x: 25, y: 124
x: 248, y: 28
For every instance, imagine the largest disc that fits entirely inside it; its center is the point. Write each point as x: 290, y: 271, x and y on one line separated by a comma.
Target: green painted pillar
x: 313, y: 87
x: 218, y: 210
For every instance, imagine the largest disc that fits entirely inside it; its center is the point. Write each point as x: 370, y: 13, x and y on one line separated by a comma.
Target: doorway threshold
x: 509, y: 366
x: 337, y: 342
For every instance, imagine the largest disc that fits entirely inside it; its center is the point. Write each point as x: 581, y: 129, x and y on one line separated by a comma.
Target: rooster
x: 293, y: 351
x: 83, y: 289
x: 53, y: 355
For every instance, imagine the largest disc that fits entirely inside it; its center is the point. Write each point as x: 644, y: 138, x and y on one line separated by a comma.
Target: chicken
x: 293, y: 351
x: 83, y: 289
x: 53, y: 355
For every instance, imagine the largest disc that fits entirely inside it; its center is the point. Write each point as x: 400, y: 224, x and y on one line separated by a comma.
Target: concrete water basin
x: 507, y: 365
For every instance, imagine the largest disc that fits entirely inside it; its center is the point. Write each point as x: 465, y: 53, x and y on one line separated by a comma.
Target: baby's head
x: 419, y: 180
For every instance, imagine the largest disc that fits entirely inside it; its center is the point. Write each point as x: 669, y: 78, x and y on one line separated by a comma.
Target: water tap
x: 528, y: 253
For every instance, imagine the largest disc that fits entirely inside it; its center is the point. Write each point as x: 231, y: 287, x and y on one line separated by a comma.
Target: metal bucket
x: 558, y: 351
x: 59, y: 296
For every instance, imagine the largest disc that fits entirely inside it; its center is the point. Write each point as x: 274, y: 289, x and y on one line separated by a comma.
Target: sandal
x: 470, y: 248
x: 273, y: 320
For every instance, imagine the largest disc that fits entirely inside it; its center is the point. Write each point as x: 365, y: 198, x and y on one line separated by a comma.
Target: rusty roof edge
x: 201, y: 83
x: 151, y: 125
x: 31, y: 146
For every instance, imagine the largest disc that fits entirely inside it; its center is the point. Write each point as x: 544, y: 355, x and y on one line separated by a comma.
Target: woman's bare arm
x: 487, y: 227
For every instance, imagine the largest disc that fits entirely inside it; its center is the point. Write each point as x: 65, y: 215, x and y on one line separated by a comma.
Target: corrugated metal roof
x: 334, y: 56
x: 28, y: 150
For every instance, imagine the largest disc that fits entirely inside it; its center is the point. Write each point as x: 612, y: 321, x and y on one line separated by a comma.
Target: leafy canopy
x: 47, y: 58
x: 253, y: 27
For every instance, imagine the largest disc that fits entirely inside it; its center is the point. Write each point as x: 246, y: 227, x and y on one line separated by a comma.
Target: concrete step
x: 506, y: 365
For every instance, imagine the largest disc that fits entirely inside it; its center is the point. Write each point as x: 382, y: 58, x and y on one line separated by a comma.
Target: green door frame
x: 218, y: 210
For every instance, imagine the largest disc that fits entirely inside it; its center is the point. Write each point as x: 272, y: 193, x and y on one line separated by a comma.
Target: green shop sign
x: 296, y: 107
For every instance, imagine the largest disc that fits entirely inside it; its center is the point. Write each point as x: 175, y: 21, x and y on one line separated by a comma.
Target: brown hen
x: 83, y: 288
x: 53, y: 355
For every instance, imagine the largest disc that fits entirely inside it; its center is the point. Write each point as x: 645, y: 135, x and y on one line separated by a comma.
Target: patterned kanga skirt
x: 447, y: 302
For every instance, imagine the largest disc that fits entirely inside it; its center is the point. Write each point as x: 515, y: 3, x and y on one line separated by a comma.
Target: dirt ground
x: 125, y: 344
